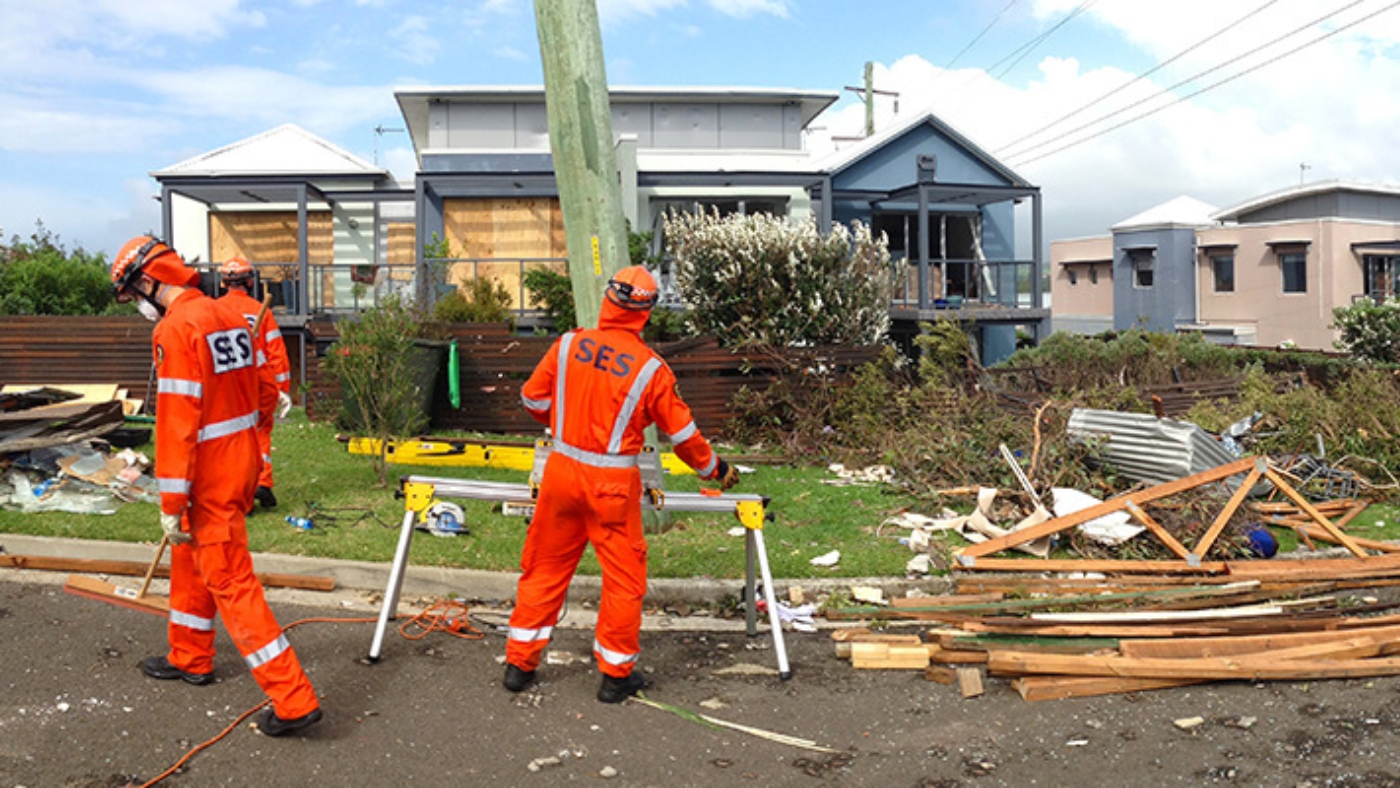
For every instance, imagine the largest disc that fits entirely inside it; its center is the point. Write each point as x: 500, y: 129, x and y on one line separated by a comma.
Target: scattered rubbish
x: 867, y: 476
x: 1187, y: 723
x: 1111, y: 529
x: 827, y: 559
x: 870, y: 594
x: 705, y: 719
x: 300, y: 523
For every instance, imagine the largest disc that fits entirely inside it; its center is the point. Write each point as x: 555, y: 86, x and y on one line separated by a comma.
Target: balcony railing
x: 962, y: 283
x: 345, y: 289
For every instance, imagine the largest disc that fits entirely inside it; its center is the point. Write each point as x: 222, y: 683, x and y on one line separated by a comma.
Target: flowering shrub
x: 1370, y: 330
x: 760, y: 279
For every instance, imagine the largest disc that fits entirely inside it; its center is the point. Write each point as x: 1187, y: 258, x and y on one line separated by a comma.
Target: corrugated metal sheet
x: 1145, y: 448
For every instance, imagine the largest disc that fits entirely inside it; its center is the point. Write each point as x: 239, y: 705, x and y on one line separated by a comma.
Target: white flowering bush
x: 760, y: 279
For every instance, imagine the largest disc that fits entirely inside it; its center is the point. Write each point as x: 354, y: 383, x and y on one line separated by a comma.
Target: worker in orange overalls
x: 598, y: 389
x: 237, y: 276
x: 207, y: 463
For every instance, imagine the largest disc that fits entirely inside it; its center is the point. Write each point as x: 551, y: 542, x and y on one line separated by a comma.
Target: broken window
x: 1382, y: 279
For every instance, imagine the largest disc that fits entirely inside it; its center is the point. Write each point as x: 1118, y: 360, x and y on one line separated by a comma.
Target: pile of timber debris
x: 1062, y: 628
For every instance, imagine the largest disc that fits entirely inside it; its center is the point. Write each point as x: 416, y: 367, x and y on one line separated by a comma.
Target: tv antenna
x: 380, y: 131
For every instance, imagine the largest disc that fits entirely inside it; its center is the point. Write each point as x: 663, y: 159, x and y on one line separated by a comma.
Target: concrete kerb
x: 471, y: 584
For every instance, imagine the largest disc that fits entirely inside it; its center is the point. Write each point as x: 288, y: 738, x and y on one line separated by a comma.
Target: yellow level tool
x: 468, y: 454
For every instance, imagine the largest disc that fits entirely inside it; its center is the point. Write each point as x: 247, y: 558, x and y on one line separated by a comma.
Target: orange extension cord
x: 450, y: 617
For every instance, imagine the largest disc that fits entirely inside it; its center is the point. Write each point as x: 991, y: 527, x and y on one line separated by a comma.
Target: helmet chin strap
x: 152, y: 298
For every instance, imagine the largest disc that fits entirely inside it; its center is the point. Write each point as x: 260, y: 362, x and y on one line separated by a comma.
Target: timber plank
x: 1037, y: 688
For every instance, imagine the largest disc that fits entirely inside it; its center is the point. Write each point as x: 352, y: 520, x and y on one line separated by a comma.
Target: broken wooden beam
x: 98, y: 566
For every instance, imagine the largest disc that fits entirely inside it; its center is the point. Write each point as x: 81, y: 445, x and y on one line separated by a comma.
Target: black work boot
x: 517, y: 679
x: 615, y: 690
x: 265, y: 497
x: 272, y: 725
x: 160, y: 668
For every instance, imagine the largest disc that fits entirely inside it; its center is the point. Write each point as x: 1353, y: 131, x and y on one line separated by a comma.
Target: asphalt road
x: 76, y: 711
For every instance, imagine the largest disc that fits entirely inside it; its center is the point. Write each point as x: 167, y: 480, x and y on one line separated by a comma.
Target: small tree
x: 375, y: 361
x: 1370, y: 330
x: 41, y: 277
x: 761, y: 279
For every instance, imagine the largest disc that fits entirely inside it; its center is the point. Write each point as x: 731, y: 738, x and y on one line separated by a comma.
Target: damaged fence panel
x: 1143, y: 447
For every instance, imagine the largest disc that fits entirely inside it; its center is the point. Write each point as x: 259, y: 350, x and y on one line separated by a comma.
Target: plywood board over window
x: 402, y: 250
x: 499, y: 233
x: 264, y: 237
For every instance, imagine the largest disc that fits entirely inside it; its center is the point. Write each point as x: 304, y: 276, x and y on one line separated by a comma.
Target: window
x: 1295, y: 271
x: 1093, y: 274
x: 1142, y: 261
x: 1073, y: 277
x: 1382, y: 276
x: 1222, y: 266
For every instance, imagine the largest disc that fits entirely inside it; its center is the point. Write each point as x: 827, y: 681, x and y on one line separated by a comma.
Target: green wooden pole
x: 585, y: 164
x: 581, y: 139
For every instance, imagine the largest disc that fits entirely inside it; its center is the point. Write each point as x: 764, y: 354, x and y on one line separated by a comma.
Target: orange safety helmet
x: 633, y: 288
x: 144, y: 255
x: 236, y: 270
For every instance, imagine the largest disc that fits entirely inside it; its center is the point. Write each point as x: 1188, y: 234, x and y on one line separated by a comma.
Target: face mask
x: 148, y: 310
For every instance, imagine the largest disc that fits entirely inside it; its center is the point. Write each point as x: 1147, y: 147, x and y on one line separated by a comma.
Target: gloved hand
x: 284, y: 404
x: 170, y: 524
x: 727, y: 475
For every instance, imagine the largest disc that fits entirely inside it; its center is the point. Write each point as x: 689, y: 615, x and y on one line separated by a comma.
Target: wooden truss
x: 1254, y: 468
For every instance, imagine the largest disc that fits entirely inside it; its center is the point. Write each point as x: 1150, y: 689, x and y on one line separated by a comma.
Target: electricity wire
x: 1020, y: 53
x: 974, y: 40
x: 1200, y: 91
x: 1006, y: 150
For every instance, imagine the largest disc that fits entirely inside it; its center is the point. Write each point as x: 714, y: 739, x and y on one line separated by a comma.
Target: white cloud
x: 509, y: 52
x: 412, y: 41
x: 746, y: 8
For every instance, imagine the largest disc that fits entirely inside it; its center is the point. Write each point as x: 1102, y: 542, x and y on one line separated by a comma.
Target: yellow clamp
x: 417, y: 496
x: 658, y: 497
x: 750, y: 514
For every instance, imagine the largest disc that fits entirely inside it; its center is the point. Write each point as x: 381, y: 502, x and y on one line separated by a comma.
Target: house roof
x: 414, y: 101
x: 847, y: 157
x: 1181, y: 211
x: 285, y: 150
x: 1251, y: 205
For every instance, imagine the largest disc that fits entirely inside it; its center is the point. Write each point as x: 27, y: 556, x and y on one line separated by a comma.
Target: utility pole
x: 868, y: 94
x: 585, y: 164
x: 1303, y: 168
x: 581, y: 139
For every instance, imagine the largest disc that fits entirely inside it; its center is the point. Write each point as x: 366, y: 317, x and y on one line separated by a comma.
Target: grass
x: 357, y: 519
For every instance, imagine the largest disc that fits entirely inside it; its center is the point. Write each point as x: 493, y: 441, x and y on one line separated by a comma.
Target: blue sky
x: 95, y: 94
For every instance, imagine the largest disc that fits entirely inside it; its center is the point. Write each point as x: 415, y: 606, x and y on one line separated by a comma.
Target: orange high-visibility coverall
x: 598, y: 389
x: 273, y: 362
x: 206, y: 469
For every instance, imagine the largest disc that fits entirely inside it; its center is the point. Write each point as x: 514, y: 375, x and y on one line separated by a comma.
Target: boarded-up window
x: 401, y: 252
x: 496, y: 235
x: 270, y: 237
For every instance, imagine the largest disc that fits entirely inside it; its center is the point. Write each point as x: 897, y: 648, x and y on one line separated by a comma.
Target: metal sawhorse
x: 420, y: 492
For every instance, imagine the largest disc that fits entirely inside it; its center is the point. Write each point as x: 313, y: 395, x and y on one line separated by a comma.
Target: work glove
x: 170, y: 524
x: 727, y: 475
x: 284, y: 404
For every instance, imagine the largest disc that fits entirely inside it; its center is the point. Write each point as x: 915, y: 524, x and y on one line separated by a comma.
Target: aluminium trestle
x: 419, y: 492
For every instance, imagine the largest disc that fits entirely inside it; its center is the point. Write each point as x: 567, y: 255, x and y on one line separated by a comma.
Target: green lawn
x: 316, y: 475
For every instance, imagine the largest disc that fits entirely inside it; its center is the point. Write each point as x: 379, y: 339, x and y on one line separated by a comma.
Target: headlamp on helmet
x: 633, y: 288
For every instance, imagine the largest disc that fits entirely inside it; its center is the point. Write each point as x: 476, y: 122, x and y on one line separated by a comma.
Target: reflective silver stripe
x: 267, y: 653
x: 267, y: 460
x: 530, y: 635
x: 262, y: 359
x: 275, y: 333
x: 283, y: 378
x: 613, y: 657
x: 191, y: 621
x: 684, y: 435
x: 221, y: 429
x: 565, y: 342
x: 709, y: 466
x: 189, y: 388
x: 629, y: 405
x: 177, y: 486
x: 595, y: 459
x: 536, y: 404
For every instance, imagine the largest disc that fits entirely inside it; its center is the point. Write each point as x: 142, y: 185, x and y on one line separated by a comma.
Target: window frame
x: 1293, y: 256
x: 1216, y: 261
x: 1143, y: 261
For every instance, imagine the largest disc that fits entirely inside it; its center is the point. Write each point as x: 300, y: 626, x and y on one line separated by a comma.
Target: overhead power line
x: 975, y: 39
x: 1006, y: 150
x: 1213, y: 85
x: 1019, y: 53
